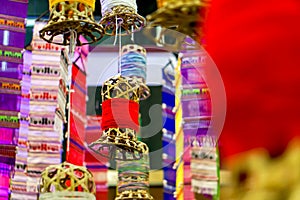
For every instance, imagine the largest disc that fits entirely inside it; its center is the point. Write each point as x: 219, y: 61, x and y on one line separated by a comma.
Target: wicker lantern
x: 184, y: 16
x: 66, y: 181
x: 120, y: 97
x: 71, y: 16
x: 120, y: 107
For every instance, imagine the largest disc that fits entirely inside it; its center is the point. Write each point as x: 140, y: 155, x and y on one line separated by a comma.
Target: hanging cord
x: 119, y: 22
x: 170, y: 76
x: 132, y: 34
x: 160, y: 37
x: 116, y: 36
x: 72, y: 46
x: 120, y: 46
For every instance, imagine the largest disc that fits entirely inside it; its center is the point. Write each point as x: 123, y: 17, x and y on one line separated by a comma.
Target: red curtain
x: 256, y: 46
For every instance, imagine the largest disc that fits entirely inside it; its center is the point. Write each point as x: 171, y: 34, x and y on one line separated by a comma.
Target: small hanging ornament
x: 133, y: 179
x: 117, y: 13
x: 69, y: 17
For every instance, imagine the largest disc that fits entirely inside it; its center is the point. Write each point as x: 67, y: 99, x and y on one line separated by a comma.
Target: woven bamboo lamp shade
x: 184, y: 16
x: 120, y: 143
x: 66, y: 181
x: 67, y: 16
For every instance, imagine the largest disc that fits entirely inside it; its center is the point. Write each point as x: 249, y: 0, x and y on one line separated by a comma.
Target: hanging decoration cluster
x: 72, y: 19
x: 120, y: 96
x: 120, y: 108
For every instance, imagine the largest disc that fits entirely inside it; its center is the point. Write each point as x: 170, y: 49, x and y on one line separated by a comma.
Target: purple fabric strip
x: 12, y: 102
x: 5, y: 171
x: 13, y: 39
x: 10, y: 70
x: 11, y: 7
x: 12, y: 23
x: 170, y: 175
x: 169, y: 147
x: 196, y: 108
x: 10, y: 86
x: 7, y: 135
x: 11, y: 54
x: 7, y: 160
x: 191, y: 76
x: 195, y: 132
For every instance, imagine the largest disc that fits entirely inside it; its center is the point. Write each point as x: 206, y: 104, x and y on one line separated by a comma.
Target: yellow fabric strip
x: 90, y: 3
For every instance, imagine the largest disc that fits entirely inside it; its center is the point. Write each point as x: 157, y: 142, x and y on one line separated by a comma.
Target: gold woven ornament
x: 67, y: 16
x: 120, y: 143
x: 135, y: 48
x: 66, y: 181
x: 121, y: 87
x: 132, y: 195
x: 185, y: 16
x: 169, y: 39
x: 121, y: 14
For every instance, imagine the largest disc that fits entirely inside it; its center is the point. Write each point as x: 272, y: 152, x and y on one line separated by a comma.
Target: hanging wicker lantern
x: 120, y: 107
x: 67, y: 16
x: 184, y: 16
x: 120, y: 97
x: 66, y: 181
